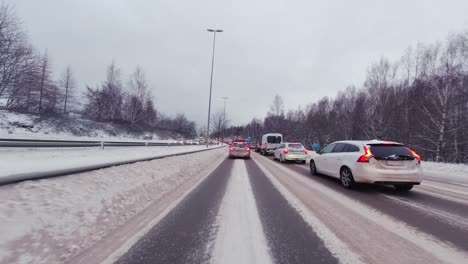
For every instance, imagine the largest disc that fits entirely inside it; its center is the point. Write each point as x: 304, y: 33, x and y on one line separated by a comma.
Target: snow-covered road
x: 278, y: 213
x: 204, y: 208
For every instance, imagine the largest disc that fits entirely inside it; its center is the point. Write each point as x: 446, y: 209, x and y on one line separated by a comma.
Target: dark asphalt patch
x: 289, y: 237
x: 184, y: 234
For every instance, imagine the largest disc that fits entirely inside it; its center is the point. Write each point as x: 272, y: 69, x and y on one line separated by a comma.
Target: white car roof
x: 367, y: 142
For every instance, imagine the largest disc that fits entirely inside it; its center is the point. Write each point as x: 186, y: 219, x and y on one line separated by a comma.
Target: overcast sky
x: 301, y: 49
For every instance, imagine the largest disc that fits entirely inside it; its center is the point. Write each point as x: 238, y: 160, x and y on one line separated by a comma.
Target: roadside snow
x: 446, y: 170
x: 52, y: 220
x: 240, y: 238
x: 16, y: 161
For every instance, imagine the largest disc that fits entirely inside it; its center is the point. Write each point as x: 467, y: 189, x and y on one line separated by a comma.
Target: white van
x: 270, y: 142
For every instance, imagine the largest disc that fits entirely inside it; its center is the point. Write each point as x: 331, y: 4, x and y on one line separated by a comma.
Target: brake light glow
x: 305, y: 151
x: 416, y: 155
x: 231, y: 149
x: 248, y: 149
x: 286, y: 151
x: 367, y: 155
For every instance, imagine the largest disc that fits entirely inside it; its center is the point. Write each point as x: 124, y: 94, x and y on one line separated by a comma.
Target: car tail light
x: 305, y: 151
x: 416, y: 155
x: 231, y: 149
x: 286, y: 151
x: 367, y: 155
x: 248, y: 149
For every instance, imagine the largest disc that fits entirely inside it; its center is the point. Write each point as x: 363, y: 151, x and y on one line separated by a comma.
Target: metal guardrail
x: 52, y: 143
x: 19, y: 177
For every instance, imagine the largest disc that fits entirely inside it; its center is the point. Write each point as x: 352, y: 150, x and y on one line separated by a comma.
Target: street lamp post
x: 224, y: 118
x: 211, y: 82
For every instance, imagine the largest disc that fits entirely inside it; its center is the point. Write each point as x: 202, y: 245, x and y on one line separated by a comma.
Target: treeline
x: 27, y: 85
x: 131, y: 104
x: 420, y: 100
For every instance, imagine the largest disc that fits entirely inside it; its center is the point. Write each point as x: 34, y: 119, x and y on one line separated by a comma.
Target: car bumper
x: 386, y: 176
x: 293, y: 157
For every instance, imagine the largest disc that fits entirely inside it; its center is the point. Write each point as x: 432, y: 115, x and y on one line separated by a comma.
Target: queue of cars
x: 352, y: 161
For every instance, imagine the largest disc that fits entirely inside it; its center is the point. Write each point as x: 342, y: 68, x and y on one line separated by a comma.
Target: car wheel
x: 347, y: 179
x: 403, y: 187
x: 313, y: 168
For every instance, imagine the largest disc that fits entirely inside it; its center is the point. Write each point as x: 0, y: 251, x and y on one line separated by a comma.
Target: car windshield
x: 390, y: 152
x: 274, y: 139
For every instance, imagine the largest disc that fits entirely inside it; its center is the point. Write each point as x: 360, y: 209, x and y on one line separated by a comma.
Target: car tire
x: 403, y: 187
x: 346, y: 178
x: 313, y: 168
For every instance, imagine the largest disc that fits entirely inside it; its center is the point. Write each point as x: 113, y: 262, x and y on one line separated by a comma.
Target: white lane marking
x: 240, y: 238
x: 338, y: 248
x: 445, y: 252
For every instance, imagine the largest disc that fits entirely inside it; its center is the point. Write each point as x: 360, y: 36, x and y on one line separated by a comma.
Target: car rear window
x: 390, y: 152
x: 274, y: 139
x: 295, y: 146
x: 240, y: 145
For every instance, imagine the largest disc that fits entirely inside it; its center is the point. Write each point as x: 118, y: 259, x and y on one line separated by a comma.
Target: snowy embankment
x: 70, y: 127
x: 54, y: 220
x: 458, y: 172
x: 15, y: 161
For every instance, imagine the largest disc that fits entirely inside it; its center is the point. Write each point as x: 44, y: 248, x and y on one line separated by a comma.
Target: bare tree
x: 136, y: 98
x: 67, y: 83
x: 45, y: 78
x: 219, y: 122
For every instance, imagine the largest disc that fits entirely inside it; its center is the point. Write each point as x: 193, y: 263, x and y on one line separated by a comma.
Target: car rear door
x: 335, y: 159
x: 322, y: 159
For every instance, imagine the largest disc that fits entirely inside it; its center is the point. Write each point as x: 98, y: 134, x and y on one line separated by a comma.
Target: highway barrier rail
x: 19, y: 177
x: 52, y: 143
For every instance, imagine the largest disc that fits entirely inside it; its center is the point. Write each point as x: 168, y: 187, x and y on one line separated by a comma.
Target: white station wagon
x: 378, y: 162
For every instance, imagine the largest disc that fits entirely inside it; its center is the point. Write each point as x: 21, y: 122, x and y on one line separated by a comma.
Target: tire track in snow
x: 183, y: 235
x: 379, y: 198
x: 372, y: 229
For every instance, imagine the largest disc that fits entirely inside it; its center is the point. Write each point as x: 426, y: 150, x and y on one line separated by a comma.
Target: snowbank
x: 446, y: 170
x: 19, y: 161
x: 52, y: 220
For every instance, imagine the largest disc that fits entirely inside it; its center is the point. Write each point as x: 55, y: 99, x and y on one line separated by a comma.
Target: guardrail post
x: 102, y: 144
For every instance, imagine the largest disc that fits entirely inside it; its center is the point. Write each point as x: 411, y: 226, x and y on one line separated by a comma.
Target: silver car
x: 290, y: 152
x: 239, y: 150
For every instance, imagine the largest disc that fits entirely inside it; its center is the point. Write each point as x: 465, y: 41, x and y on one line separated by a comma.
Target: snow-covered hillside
x: 19, y: 125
